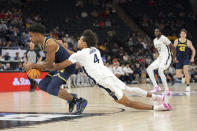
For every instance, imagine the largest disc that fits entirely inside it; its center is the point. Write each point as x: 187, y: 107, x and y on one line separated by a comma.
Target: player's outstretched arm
x: 65, y: 45
x: 61, y: 65
x: 69, y: 51
x: 74, y: 58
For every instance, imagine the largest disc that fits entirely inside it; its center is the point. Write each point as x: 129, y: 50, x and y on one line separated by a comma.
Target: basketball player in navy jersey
x: 183, y: 59
x: 55, y: 53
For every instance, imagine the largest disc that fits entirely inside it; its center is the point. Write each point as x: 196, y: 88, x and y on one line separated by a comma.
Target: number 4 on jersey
x: 96, y: 59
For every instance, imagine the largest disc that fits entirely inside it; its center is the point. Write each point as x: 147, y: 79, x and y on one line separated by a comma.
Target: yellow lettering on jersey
x: 182, y: 45
x: 182, y: 48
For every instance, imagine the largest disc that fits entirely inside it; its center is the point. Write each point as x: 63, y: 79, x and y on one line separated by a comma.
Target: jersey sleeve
x: 76, y: 57
x: 166, y: 40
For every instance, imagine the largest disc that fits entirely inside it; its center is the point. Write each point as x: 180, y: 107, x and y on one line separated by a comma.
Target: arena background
x: 125, y: 29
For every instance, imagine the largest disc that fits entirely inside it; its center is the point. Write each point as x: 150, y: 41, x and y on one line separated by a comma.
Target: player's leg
x: 43, y: 84
x: 54, y: 89
x: 143, y: 93
x: 179, y: 74
x: 150, y: 71
x: 163, y: 79
x: 114, y: 88
x: 179, y: 71
x: 187, y: 77
x: 141, y: 106
x: 33, y: 84
x: 80, y: 103
x: 122, y: 99
x: 140, y: 92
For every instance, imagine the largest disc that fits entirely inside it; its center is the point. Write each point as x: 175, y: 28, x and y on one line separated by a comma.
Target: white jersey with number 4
x: 162, y: 45
x: 91, y: 61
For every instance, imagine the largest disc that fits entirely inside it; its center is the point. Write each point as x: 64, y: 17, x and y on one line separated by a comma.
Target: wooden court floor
x: 38, y: 111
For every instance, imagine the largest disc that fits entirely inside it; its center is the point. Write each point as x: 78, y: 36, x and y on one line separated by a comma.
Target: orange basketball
x: 34, y: 73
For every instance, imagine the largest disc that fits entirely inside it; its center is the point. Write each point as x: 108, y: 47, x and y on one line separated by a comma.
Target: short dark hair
x: 160, y: 30
x: 90, y: 37
x: 183, y: 30
x: 37, y: 28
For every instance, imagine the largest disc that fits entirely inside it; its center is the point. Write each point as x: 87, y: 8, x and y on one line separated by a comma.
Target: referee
x: 32, y: 56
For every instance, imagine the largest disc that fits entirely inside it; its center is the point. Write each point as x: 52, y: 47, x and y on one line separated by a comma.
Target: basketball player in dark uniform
x: 183, y: 59
x: 55, y: 53
x: 32, y: 56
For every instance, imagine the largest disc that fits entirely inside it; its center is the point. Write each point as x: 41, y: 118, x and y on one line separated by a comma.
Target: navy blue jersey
x: 60, y: 56
x: 182, y: 51
x: 61, y: 53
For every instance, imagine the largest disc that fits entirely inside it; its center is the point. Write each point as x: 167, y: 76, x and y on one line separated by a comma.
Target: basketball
x: 34, y: 73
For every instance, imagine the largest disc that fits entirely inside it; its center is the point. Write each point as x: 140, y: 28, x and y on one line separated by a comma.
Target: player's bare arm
x: 65, y: 45
x: 62, y: 65
x: 175, y: 45
x: 51, y: 48
x: 69, y: 51
x: 173, y: 49
x: 192, y: 49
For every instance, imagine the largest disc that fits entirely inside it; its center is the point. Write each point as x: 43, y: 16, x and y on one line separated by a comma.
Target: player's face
x: 157, y: 33
x: 183, y: 34
x: 31, y: 46
x: 81, y: 43
x: 34, y: 37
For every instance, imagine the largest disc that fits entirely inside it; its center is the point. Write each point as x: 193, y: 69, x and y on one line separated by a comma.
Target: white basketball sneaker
x: 167, y: 92
x: 188, y: 89
x: 159, y: 99
x: 156, y: 89
x: 163, y: 107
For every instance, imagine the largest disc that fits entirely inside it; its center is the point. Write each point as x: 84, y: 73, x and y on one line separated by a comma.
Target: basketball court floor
x: 38, y: 111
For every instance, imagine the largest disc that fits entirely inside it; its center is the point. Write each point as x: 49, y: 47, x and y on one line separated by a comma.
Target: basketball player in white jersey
x: 163, y: 61
x: 90, y: 59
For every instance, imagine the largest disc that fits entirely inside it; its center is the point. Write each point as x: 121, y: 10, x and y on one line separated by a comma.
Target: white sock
x: 157, y: 97
x: 151, y: 76
x: 154, y: 96
x: 163, y: 78
x: 157, y: 107
x: 136, y: 90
